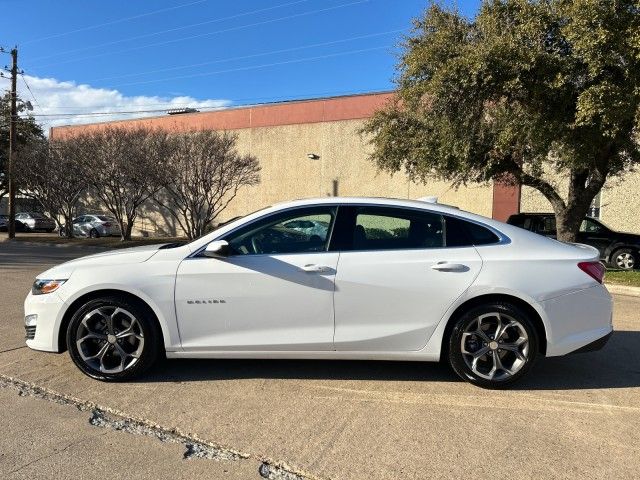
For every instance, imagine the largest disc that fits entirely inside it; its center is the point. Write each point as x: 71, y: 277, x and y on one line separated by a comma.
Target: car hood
x: 112, y: 257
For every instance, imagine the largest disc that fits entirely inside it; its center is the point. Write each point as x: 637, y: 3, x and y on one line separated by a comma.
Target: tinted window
x: 589, y: 226
x: 379, y: 228
x: 547, y: 225
x: 105, y: 219
x: 460, y: 233
x: 297, y: 231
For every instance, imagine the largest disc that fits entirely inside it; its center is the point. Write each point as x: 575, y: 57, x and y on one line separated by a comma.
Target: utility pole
x: 13, y: 125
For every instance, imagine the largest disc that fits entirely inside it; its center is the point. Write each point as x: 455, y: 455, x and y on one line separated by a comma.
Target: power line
x: 29, y: 88
x: 244, y: 57
x: 254, y: 67
x: 175, y: 29
x: 251, y: 67
x: 113, y: 22
x: 201, y: 35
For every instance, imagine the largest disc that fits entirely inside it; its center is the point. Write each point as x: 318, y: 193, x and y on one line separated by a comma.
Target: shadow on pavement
x: 615, y: 366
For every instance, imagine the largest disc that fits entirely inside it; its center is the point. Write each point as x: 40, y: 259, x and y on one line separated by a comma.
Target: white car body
x: 386, y: 304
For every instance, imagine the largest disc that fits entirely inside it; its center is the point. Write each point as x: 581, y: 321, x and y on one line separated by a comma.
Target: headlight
x: 41, y: 287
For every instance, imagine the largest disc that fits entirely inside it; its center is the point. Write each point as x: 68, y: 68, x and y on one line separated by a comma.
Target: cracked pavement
x: 574, y: 417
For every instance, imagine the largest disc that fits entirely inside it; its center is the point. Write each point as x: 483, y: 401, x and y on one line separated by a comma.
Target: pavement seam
x: 12, y: 349
x: 195, y: 447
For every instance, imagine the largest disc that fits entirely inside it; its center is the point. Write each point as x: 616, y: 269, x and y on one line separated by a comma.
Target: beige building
x: 312, y: 148
x: 306, y: 149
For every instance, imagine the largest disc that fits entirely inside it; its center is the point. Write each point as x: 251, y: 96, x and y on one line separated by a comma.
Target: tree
x: 52, y: 172
x: 127, y: 167
x: 526, y: 92
x: 27, y: 132
x: 206, y: 172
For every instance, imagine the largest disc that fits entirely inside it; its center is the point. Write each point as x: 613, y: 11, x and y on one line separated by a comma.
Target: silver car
x: 95, y: 226
x: 32, y: 221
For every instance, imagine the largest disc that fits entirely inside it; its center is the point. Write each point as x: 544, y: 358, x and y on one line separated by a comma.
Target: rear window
x: 105, y: 219
x: 461, y: 233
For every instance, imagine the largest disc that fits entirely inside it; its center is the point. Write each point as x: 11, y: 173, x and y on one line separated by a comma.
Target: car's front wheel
x: 113, y: 338
x: 94, y: 233
x: 493, y: 345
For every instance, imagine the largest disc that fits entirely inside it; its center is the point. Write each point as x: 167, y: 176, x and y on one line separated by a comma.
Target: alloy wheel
x: 110, y: 339
x: 625, y: 260
x: 495, y: 346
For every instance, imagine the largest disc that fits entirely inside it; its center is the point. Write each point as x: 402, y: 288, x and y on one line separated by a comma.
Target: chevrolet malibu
x: 387, y: 279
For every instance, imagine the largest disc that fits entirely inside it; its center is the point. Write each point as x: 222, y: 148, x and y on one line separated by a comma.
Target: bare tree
x: 206, y: 172
x: 128, y: 167
x: 51, y: 172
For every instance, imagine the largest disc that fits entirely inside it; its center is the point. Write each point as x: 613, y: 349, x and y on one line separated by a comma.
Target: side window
x: 589, y: 226
x: 298, y: 231
x: 547, y: 225
x: 379, y: 228
x: 461, y: 233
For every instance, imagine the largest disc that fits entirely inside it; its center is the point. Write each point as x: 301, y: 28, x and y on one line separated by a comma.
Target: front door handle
x: 449, y: 267
x: 313, y: 268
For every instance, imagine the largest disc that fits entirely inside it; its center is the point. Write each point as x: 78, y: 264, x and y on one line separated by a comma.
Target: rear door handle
x: 313, y: 268
x: 449, y: 267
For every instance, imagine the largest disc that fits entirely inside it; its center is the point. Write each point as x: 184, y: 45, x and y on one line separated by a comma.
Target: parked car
x: 4, y: 223
x: 443, y: 283
x: 33, y: 222
x: 94, y: 226
x: 617, y: 249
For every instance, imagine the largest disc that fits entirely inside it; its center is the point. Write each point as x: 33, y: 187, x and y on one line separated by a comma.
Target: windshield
x: 36, y: 215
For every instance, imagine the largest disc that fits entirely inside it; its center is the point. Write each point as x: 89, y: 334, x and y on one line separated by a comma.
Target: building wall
x: 619, y: 201
x: 282, y: 136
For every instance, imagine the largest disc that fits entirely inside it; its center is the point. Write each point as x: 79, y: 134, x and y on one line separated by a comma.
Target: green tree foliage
x: 526, y: 92
x: 28, y: 132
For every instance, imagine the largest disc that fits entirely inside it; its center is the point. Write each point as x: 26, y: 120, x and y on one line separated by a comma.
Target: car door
x: 397, y: 276
x: 78, y: 229
x: 274, y: 291
x: 595, y: 234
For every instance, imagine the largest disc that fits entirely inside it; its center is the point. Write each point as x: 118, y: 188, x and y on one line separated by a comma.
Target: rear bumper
x: 577, y: 320
x: 595, y: 345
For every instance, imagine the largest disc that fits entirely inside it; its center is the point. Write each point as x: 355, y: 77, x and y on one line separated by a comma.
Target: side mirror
x: 217, y: 249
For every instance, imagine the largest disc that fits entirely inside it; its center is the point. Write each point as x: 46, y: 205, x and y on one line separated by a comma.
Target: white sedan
x: 388, y: 279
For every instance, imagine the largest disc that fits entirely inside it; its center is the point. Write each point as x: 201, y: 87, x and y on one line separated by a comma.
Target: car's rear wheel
x: 493, y: 345
x: 624, y: 259
x: 113, y: 338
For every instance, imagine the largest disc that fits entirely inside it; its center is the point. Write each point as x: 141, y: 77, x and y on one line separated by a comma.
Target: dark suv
x: 618, y: 249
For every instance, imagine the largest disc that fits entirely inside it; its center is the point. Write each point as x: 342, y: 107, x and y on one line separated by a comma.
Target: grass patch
x: 621, y: 277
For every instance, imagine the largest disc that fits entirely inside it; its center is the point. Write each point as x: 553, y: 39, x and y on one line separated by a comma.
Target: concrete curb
x: 623, y: 289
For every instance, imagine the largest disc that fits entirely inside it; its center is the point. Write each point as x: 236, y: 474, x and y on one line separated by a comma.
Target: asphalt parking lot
x: 573, y: 417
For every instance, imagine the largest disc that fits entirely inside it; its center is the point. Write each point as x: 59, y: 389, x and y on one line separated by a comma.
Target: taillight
x: 595, y: 270
x: 107, y: 224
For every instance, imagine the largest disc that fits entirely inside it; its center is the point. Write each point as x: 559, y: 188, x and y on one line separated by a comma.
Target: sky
x: 82, y: 56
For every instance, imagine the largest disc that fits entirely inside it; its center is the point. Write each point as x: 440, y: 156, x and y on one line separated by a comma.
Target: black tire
x: 134, y: 365
x: 624, y: 259
x: 93, y: 233
x: 464, y: 329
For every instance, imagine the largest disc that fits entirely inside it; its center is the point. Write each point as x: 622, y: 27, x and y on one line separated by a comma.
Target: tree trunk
x: 126, y: 232
x: 68, y: 226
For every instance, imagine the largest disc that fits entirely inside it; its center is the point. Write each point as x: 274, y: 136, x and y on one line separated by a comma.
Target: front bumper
x: 49, y: 309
